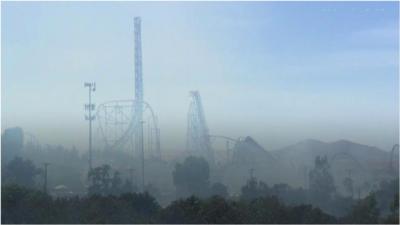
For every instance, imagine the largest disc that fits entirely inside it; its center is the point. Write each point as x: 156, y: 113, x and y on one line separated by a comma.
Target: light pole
x: 45, y: 177
x: 90, y: 107
x: 131, y: 171
x: 142, y: 151
x: 252, y: 173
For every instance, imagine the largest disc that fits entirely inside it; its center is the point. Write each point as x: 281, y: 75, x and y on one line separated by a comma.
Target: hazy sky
x: 279, y: 72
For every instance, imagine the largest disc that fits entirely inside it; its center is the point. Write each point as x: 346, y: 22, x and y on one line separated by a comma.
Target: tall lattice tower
x: 131, y: 123
x: 138, y: 116
x: 198, y: 139
x: 138, y: 84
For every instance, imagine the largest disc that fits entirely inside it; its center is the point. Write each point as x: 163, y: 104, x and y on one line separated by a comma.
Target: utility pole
x: 227, y: 151
x: 131, y: 170
x: 252, y: 173
x: 142, y: 152
x: 45, y: 177
x: 90, y: 107
x: 349, y: 175
x: 305, y: 170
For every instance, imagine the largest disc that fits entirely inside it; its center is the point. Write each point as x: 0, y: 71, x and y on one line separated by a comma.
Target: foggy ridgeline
x: 308, y: 182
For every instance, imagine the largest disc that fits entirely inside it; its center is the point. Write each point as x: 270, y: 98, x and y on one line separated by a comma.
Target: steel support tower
x: 45, y: 177
x: 121, y: 122
x: 90, y: 107
x: 139, y: 94
x: 198, y: 138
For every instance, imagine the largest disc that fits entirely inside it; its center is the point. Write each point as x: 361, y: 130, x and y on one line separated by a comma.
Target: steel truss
x: 118, y: 126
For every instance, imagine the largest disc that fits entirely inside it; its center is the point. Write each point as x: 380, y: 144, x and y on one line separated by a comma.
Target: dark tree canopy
x: 364, y: 211
x: 22, y: 205
x: 254, y: 189
x: 349, y: 186
x: 101, y: 182
x: 219, y: 190
x: 21, y: 172
x: 322, y: 185
x: 192, y: 177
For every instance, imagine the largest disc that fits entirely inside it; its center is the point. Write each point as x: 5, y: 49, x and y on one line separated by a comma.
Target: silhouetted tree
x: 22, y: 205
x: 216, y: 210
x: 266, y: 210
x: 254, y: 189
x: 384, y: 195
x: 321, y: 181
x: 191, y: 177
x: 393, y: 217
x: 348, y: 185
x: 183, y: 211
x: 152, y: 190
x: 306, y: 214
x: 21, y: 172
x: 219, y: 189
x: 128, y: 187
x: 116, y: 184
x: 102, y: 184
x: 364, y: 211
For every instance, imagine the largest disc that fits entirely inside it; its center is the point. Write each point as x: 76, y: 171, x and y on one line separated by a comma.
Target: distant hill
x: 292, y: 164
x: 249, y: 156
x: 249, y: 151
x: 304, y: 153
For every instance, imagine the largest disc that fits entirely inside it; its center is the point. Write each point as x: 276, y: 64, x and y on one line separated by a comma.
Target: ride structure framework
x: 131, y: 124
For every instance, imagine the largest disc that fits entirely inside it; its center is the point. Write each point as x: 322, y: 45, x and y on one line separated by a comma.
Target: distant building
x: 12, y: 141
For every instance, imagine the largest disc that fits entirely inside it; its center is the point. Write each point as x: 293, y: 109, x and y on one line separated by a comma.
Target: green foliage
x: 218, y: 210
x: 152, y: 190
x: 183, y: 211
x: 321, y: 181
x: 306, y: 214
x: 219, y: 190
x: 364, y: 211
x: 194, y: 210
x: 21, y: 205
x: 21, y: 172
x: 254, y: 189
x: 101, y: 183
x: 128, y: 187
x: 192, y: 177
x: 66, y: 165
x: 126, y: 208
x: 349, y: 185
x: 266, y: 210
x: 393, y: 217
x: 384, y: 196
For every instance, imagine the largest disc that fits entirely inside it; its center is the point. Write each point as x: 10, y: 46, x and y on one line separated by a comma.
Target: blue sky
x: 277, y: 71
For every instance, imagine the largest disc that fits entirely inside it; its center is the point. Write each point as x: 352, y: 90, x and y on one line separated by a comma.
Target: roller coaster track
x: 346, y: 156
x: 132, y: 127
x: 396, y: 146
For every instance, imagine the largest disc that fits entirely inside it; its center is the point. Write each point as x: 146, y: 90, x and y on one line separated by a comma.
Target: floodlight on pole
x: 45, y: 177
x: 90, y: 107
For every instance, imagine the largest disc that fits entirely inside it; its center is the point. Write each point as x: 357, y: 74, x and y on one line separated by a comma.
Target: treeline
x: 112, y: 197
x: 114, y: 200
x: 23, y: 205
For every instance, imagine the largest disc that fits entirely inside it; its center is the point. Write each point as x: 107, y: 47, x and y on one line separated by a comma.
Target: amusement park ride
x: 131, y: 125
x: 126, y: 124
